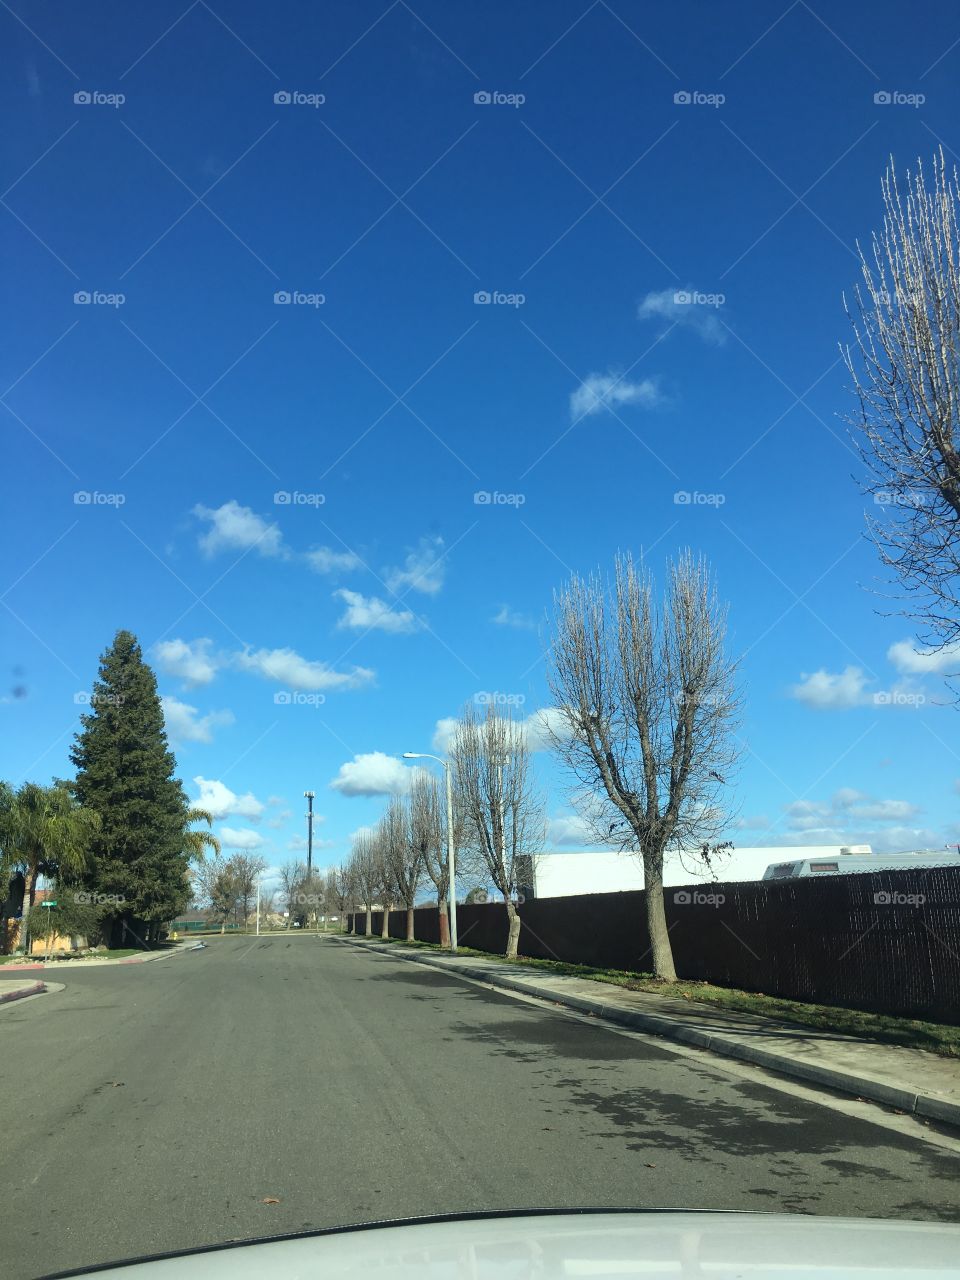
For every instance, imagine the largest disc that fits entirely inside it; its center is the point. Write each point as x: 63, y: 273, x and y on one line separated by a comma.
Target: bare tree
x: 366, y: 867
x: 245, y: 867
x: 386, y: 833
x: 648, y: 705
x: 428, y: 835
x: 501, y: 803
x: 344, y: 889
x: 291, y: 874
x: 403, y: 859
x: 906, y: 373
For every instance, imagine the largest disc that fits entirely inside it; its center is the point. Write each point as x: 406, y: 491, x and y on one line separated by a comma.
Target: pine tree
x: 125, y: 773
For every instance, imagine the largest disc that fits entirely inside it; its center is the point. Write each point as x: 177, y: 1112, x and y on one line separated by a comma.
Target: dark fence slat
x: 887, y: 941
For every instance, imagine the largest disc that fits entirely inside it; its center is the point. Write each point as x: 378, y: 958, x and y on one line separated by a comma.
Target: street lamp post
x: 451, y: 861
x: 309, y: 796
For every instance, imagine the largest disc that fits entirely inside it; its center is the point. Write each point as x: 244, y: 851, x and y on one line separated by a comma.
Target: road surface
x: 163, y: 1106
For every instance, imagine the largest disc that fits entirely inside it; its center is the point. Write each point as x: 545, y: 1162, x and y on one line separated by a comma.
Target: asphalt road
x: 156, y: 1107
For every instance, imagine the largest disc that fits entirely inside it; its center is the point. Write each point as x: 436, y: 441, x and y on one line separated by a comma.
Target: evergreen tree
x: 125, y: 773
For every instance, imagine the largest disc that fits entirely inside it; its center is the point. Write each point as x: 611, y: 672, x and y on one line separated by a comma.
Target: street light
x: 451, y: 867
x: 309, y: 797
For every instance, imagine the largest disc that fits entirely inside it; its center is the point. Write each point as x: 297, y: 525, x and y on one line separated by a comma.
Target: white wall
x: 559, y: 875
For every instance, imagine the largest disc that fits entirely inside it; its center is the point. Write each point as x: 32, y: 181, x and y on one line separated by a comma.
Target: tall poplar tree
x: 125, y: 773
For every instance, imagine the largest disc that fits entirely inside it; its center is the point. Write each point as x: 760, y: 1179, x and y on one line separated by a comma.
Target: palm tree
x: 45, y: 832
x: 196, y: 843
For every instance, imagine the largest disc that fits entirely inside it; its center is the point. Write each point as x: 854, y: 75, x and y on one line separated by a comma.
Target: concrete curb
x: 902, y: 1098
x: 36, y: 989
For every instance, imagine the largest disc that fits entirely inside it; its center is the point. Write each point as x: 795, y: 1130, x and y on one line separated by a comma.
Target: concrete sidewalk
x: 19, y: 989
x: 910, y: 1080
x: 68, y: 966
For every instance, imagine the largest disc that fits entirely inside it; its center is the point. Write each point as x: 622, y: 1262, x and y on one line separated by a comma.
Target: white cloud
x: 507, y: 617
x: 189, y: 661
x: 842, y: 814
x: 679, y: 306
x: 240, y: 838
x: 845, y: 797
x: 287, y: 667
x: 326, y: 560
x: 756, y: 822
x: 839, y: 691
x: 446, y: 731
x: 922, y: 661
x: 282, y: 818
x: 185, y: 724
x: 423, y: 569
x: 236, y: 528
x: 221, y: 802
x: 885, y: 811
x: 371, y: 613
x: 542, y: 724
x: 825, y: 691
x: 571, y: 831
x: 606, y: 391
x: 373, y: 774
x: 275, y: 800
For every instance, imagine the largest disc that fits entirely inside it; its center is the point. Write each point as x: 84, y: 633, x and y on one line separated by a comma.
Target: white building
x: 561, y: 875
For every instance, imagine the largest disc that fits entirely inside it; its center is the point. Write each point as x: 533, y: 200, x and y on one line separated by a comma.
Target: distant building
x: 857, y: 863
x: 561, y: 875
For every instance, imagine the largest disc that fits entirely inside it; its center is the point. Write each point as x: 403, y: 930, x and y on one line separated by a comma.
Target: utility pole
x: 309, y: 795
x: 258, y: 904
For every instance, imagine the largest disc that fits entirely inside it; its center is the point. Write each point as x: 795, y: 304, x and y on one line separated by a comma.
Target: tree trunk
x: 368, y: 932
x: 513, y: 932
x: 410, y: 936
x: 444, y: 923
x: 660, y: 948
x: 385, y: 931
x: 21, y: 930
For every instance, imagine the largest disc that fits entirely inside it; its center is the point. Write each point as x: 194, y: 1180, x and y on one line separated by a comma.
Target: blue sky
x: 618, y: 155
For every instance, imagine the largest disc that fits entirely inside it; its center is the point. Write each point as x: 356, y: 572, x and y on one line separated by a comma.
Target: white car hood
x: 594, y: 1245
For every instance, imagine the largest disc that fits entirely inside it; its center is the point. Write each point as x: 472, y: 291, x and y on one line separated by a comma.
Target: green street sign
x: 49, y: 904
